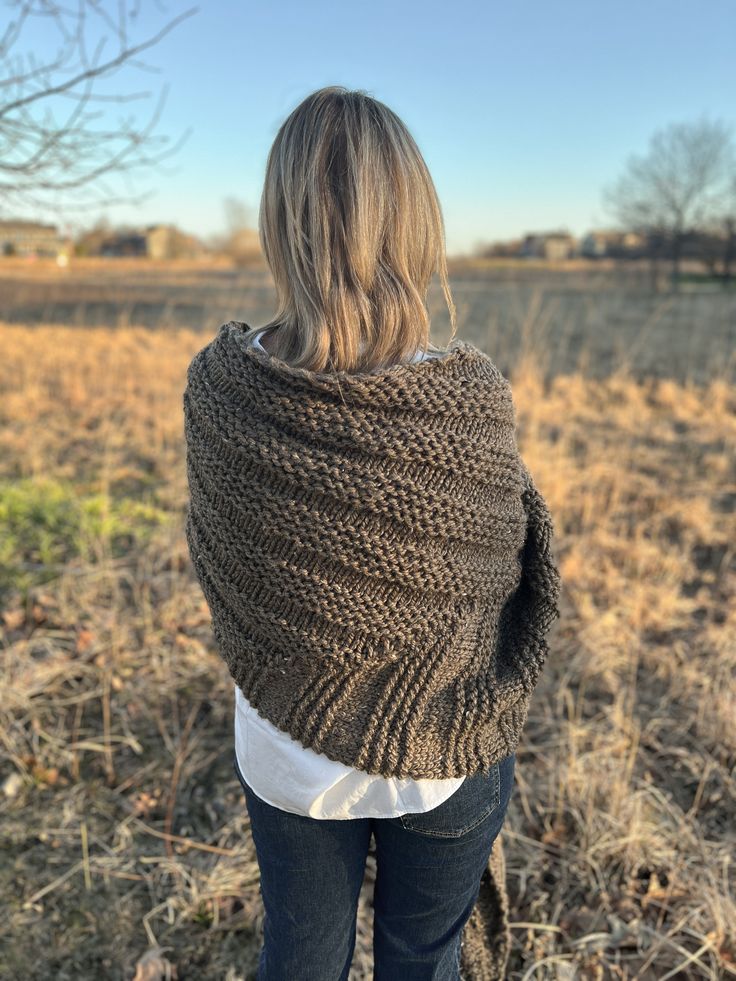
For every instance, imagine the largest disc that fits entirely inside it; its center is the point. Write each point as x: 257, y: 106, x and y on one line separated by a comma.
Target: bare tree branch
x: 46, y: 151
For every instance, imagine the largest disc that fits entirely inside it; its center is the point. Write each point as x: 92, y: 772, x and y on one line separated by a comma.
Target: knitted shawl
x: 377, y: 562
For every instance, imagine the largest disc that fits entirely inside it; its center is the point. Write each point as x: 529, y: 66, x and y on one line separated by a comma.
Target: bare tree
x: 240, y: 240
x: 728, y: 221
x: 677, y: 187
x: 238, y: 215
x: 729, y: 252
x: 57, y: 151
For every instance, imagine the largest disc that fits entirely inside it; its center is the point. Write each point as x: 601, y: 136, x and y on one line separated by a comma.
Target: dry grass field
x: 124, y: 829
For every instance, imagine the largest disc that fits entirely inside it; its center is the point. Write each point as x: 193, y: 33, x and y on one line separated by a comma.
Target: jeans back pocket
x: 475, y: 799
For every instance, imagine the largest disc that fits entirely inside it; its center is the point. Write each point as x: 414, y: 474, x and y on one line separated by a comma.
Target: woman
x: 377, y: 562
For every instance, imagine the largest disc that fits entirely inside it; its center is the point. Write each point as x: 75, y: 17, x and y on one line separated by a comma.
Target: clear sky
x: 523, y: 111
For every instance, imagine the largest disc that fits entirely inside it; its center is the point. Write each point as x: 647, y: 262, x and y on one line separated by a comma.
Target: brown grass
x: 123, y: 824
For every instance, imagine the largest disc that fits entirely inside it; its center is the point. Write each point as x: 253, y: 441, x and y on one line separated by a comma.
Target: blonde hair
x: 352, y: 230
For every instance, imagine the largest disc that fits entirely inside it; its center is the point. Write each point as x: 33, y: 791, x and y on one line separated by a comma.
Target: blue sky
x: 523, y: 111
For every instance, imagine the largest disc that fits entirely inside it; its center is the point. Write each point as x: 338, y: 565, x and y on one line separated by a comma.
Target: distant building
x: 123, y: 243
x: 505, y: 249
x: 554, y: 246
x: 168, y: 242
x: 154, y: 242
x: 612, y: 243
x: 29, y: 238
x: 595, y: 244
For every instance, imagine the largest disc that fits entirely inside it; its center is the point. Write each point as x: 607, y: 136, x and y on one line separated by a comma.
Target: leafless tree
x: 727, y: 220
x: 676, y: 187
x: 238, y: 215
x: 240, y: 239
x: 58, y: 148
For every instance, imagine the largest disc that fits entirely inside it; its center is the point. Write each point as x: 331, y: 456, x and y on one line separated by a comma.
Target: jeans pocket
x: 475, y: 799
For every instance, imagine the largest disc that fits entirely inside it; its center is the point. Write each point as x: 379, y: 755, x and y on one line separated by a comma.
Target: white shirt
x: 294, y: 778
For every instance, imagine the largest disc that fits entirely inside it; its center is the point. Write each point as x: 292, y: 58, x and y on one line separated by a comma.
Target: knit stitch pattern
x: 374, y: 553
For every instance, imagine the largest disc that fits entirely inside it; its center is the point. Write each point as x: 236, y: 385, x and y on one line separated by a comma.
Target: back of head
x: 352, y: 230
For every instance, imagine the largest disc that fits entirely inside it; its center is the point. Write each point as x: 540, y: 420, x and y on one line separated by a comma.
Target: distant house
x: 506, y: 249
x: 611, y: 243
x: 596, y: 244
x: 154, y: 242
x: 29, y: 238
x: 169, y: 242
x: 554, y: 246
x: 123, y: 243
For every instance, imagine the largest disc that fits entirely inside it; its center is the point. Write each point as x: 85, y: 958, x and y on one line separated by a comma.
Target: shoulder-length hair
x: 352, y: 230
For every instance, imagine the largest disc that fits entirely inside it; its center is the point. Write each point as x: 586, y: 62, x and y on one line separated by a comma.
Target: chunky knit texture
x: 377, y: 562
x: 374, y: 553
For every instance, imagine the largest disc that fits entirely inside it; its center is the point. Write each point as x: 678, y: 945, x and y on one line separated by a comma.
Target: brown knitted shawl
x: 377, y: 562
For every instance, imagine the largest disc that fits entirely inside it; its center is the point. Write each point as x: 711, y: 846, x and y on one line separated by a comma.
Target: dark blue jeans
x: 428, y: 871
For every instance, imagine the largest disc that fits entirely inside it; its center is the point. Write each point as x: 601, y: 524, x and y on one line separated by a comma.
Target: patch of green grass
x: 44, y: 523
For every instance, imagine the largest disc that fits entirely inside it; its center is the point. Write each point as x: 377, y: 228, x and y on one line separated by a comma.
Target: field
x: 123, y: 825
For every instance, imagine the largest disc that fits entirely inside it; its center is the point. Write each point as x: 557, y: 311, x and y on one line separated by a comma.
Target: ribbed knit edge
x: 320, y: 698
